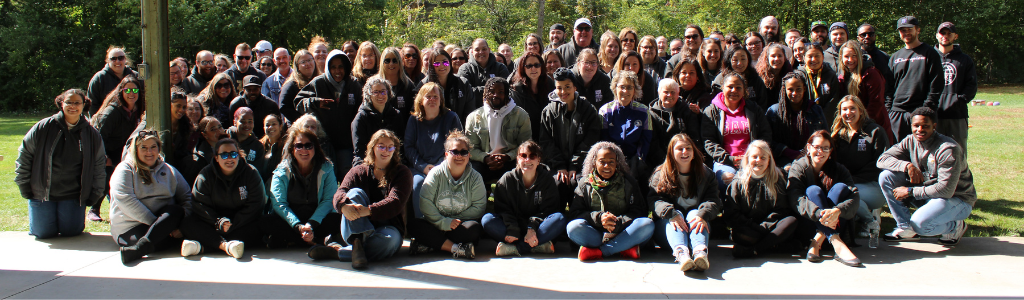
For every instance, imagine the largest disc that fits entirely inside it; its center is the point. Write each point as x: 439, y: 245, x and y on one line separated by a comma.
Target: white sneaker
x: 506, y: 249
x: 953, y: 237
x: 700, y: 260
x: 190, y: 247
x: 235, y: 248
x: 902, y: 235
x: 683, y: 258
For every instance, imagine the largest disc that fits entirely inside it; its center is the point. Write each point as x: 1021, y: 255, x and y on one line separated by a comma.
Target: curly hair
x: 591, y: 160
x: 630, y: 76
x: 374, y: 81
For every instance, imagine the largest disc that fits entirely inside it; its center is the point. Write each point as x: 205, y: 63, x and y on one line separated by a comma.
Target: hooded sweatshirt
x: 336, y: 118
x: 565, y: 135
x: 918, y: 78
x: 444, y: 199
x: 940, y: 159
x: 961, y: 84
x: 102, y: 83
x: 367, y: 121
x: 714, y: 128
x: 133, y: 202
x: 239, y: 197
x: 477, y: 73
x: 522, y: 207
x: 599, y: 91
x: 515, y: 129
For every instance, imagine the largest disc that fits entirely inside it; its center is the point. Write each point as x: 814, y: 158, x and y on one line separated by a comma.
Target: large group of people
x: 618, y: 144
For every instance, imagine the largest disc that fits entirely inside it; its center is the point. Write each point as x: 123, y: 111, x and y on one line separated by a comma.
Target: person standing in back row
x: 917, y: 69
x: 481, y: 67
x: 961, y: 84
x: 582, y: 38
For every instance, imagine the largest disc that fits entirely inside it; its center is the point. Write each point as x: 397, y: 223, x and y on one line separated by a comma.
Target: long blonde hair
x: 853, y: 88
x: 371, y: 159
x: 771, y: 176
x: 840, y: 129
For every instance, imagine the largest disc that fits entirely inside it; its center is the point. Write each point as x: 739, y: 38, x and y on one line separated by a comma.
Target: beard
x: 771, y: 37
x: 208, y: 72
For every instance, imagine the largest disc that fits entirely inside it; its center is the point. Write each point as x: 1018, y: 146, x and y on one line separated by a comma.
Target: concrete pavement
x: 89, y: 266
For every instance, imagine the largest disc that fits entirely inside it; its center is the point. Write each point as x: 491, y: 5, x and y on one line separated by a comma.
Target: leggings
x: 167, y: 220
x: 764, y: 236
x: 210, y: 237
x: 428, y: 235
x: 280, y: 234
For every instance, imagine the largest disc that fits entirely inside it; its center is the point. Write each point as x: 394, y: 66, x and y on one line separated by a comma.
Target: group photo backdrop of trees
x: 47, y: 46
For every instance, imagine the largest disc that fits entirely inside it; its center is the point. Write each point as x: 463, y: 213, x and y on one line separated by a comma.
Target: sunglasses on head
x: 459, y: 152
x: 390, y: 60
x: 131, y: 91
x: 303, y: 146
x: 385, y: 148
x: 443, y: 63
x: 228, y: 155
x: 527, y: 155
x: 118, y: 58
x: 240, y: 57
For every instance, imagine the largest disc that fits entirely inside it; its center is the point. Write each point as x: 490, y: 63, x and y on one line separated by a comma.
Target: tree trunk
x: 540, y: 18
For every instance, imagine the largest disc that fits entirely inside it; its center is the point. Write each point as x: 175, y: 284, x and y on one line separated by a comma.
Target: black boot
x: 137, y: 251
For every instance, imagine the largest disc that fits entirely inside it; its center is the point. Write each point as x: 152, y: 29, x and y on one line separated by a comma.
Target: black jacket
x: 478, y: 75
x: 262, y: 107
x: 34, y: 166
x: 829, y: 90
x: 708, y: 205
x: 801, y: 176
x: 757, y: 92
x: 711, y: 128
x: 195, y: 82
x: 918, y: 78
x: 598, y: 92
x: 757, y: 210
x: 238, y: 198
x: 255, y: 153
x: 102, y: 83
x: 522, y: 207
x: 532, y: 104
x: 635, y: 205
x: 115, y: 125
x: 237, y: 76
x: 459, y: 96
x: 336, y: 119
x: 570, y: 50
x: 860, y: 154
x: 567, y: 136
x: 657, y: 69
x: 403, y: 97
x: 669, y: 122
x: 367, y: 121
x: 289, y: 91
x: 961, y: 84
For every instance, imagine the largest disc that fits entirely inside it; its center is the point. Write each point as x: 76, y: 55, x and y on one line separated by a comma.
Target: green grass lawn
x: 996, y: 153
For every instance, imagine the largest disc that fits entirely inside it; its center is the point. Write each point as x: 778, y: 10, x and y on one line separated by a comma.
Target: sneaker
x: 235, y: 249
x: 953, y: 237
x: 683, y: 258
x: 545, y: 248
x: 415, y: 248
x: 463, y: 250
x: 320, y: 252
x: 506, y: 249
x: 588, y: 253
x: 631, y: 253
x: 902, y: 235
x: 94, y: 215
x: 190, y: 248
x: 700, y: 260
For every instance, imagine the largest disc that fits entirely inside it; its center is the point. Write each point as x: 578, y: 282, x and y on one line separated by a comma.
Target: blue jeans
x: 934, y: 216
x: 548, y: 230
x: 668, y: 236
x: 417, y: 184
x: 638, y: 232
x: 870, y: 198
x: 719, y: 170
x: 47, y: 219
x: 379, y: 242
x: 836, y: 194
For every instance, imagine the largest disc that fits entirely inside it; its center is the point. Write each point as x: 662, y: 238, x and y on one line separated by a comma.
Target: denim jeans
x: 417, y: 184
x: 719, y: 170
x: 870, y: 198
x: 47, y: 219
x: 836, y: 194
x: 378, y: 242
x: 552, y: 226
x: 669, y: 237
x: 638, y: 232
x: 934, y: 216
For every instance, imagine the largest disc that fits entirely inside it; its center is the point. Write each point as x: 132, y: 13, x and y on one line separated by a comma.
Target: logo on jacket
x: 536, y: 197
x: 597, y: 95
x: 243, y: 193
x: 949, y: 70
x: 825, y: 88
x: 351, y: 99
x: 401, y: 101
x: 862, y: 145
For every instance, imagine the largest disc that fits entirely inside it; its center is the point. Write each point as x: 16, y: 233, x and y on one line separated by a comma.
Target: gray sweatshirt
x: 942, y: 161
x: 133, y: 203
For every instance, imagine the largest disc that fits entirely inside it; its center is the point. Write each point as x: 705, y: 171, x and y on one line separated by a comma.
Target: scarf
x: 607, y: 195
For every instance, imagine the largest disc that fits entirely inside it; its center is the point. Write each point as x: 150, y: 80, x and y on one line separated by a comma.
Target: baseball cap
x: 947, y: 25
x: 908, y: 21
x: 263, y: 46
x: 818, y: 23
x: 558, y: 26
x: 838, y: 25
x: 582, y: 21
x: 251, y: 80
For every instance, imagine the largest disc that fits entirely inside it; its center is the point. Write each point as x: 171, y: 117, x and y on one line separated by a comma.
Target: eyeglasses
x: 222, y: 86
x: 382, y: 93
x: 241, y: 57
x: 532, y: 66
x: 629, y: 40
x: 118, y: 58
x: 443, y: 63
x: 205, y: 62
x: 390, y: 60
x: 692, y: 36
x: 460, y: 58
x: 228, y: 155
x: 866, y: 34
x: 752, y: 44
x: 305, y: 61
x: 267, y: 65
x: 130, y: 91
x: 459, y: 152
x: 582, y: 28
x: 825, y: 149
x: 303, y: 146
x: 73, y: 103
x: 385, y: 148
x: 527, y: 155
x: 590, y: 63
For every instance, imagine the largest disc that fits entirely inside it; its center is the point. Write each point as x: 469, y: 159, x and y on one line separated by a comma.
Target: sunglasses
x: 692, y: 37
x: 410, y: 55
x: 866, y: 34
x: 527, y: 155
x: 228, y: 155
x: 130, y: 91
x: 532, y: 66
x: 459, y: 152
x: 303, y: 146
x: 240, y: 57
x: 267, y: 65
x: 443, y: 63
x: 205, y: 62
x: 118, y: 58
x: 460, y: 58
x: 629, y: 40
x: 390, y: 60
x: 222, y: 86
x: 581, y: 28
x: 386, y: 148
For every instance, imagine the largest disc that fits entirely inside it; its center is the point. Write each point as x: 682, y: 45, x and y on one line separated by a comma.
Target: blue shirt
x: 629, y: 127
x: 272, y: 87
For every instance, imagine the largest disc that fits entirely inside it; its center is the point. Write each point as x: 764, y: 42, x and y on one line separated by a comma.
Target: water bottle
x: 873, y: 228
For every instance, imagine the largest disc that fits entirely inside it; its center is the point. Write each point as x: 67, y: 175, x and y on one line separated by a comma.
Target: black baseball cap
x: 558, y: 26
x: 251, y: 80
x: 908, y: 21
x: 947, y: 25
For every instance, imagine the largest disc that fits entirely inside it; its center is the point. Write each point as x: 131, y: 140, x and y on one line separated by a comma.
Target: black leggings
x: 210, y: 237
x: 428, y: 235
x: 763, y: 236
x: 280, y: 234
x: 167, y: 220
